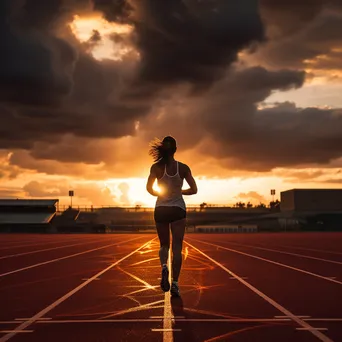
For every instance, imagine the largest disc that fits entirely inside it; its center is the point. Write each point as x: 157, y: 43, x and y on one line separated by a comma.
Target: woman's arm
x: 191, y: 181
x: 150, y: 181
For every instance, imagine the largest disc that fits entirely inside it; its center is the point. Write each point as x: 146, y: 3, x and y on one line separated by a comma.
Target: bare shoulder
x: 157, y: 170
x: 184, y: 169
x: 154, y: 168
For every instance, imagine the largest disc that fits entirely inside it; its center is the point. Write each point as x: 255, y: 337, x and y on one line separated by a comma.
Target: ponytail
x: 161, y: 150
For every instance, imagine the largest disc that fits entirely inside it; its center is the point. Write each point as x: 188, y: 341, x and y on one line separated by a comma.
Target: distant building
x: 311, y: 209
x: 311, y: 200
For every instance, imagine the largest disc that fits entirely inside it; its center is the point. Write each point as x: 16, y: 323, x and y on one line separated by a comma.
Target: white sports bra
x: 171, y: 190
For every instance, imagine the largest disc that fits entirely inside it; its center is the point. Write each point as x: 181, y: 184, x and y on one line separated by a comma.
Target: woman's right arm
x: 191, y: 181
x: 150, y: 181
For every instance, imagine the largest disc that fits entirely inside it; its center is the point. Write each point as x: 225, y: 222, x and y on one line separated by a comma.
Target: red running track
x: 235, y: 287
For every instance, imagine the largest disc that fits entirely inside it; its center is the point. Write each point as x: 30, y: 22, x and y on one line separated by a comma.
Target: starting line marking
x: 161, y: 317
x: 143, y: 320
x: 178, y: 318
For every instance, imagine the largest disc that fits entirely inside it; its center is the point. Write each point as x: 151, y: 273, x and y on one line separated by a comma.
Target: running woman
x: 170, y: 207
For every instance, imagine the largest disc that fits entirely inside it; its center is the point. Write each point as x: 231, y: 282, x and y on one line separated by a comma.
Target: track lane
x: 33, y: 261
x: 28, y: 322
x: 213, y: 306
x: 25, y: 292
x: 126, y: 304
x: 330, y: 272
x: 300, y: 293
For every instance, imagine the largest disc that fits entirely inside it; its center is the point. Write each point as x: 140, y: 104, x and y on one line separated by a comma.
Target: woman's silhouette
x: 170, y: 206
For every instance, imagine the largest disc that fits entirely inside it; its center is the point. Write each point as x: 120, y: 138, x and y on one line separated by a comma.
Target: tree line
x: 273, y: 205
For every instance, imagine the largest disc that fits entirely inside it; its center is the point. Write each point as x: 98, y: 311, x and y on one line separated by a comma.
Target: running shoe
x: 175, y: 290
x: 164, y: 283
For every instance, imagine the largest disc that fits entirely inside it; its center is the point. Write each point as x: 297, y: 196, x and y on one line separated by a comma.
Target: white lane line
x: 288, y: 253
x: 43, y: 312
x: 168, y: 315
x: 166, y: 330
x: 87, y: 321
x: 47, y: 249
x: 141, y: 307
x: 143, y: 320
x: 16, y: 331
x: 232, y: 278
x: 41, y: 319
x: 160, y: 317
x: 88, y: 279
x: 286, y: 312
x: 299, y: 316
x: 146, y: 284
x: 36, y: 244
x: 310, y: 329
x: 63, y: 258
x: 324, y: 319
x: 313, y: 250
x: 272, y: 262
x: 180, y: 319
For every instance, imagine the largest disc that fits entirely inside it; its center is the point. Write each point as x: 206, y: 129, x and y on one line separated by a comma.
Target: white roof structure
x: 28, y: 202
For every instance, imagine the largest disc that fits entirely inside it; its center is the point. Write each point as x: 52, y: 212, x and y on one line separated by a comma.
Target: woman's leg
x: 163, y: 230
x: 177, y: 229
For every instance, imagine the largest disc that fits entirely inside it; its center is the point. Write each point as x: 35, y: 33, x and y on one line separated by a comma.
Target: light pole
x: 71, y: 194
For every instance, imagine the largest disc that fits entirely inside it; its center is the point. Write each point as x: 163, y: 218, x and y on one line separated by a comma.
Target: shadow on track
x: 186, y: 333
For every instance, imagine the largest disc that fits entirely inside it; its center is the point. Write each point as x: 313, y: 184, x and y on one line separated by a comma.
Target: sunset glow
x: 105, y: 47
x: 90, y: 84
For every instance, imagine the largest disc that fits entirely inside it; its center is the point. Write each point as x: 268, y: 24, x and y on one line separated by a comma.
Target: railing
x: 190, y: 207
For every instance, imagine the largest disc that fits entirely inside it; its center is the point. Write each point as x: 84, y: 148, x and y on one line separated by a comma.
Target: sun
x: 138, y: 193
x: 99, y: 33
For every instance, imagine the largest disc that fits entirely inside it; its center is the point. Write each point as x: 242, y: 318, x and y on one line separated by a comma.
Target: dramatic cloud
x: 301, y: 35
x: 91, y: 193
x: 193, y: 41
x: 251, y: 196
x: 85, y: 85
x: 124, y: 188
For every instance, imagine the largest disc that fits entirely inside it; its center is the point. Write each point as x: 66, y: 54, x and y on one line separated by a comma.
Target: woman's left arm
x: 150, y: 181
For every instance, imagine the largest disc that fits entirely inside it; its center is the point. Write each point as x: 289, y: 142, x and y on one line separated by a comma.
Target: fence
x: 90, y: 208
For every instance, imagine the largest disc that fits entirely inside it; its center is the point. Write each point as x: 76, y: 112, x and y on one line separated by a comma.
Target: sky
x: 250, y: 89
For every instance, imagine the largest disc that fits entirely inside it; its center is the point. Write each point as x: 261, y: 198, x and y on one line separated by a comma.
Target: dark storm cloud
x: 287, y: 17
x: 35, y: 65
x: 299, y: 32
x: 51, y: 86
x: 227, y: 110
x: 285, y: 136
x: 114, y: 10
x: 52, y: 89
x: 192, y: 41
x: 245, y: 138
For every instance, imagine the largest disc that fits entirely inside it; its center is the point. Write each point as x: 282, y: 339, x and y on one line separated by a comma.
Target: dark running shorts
x: 169, y: 214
